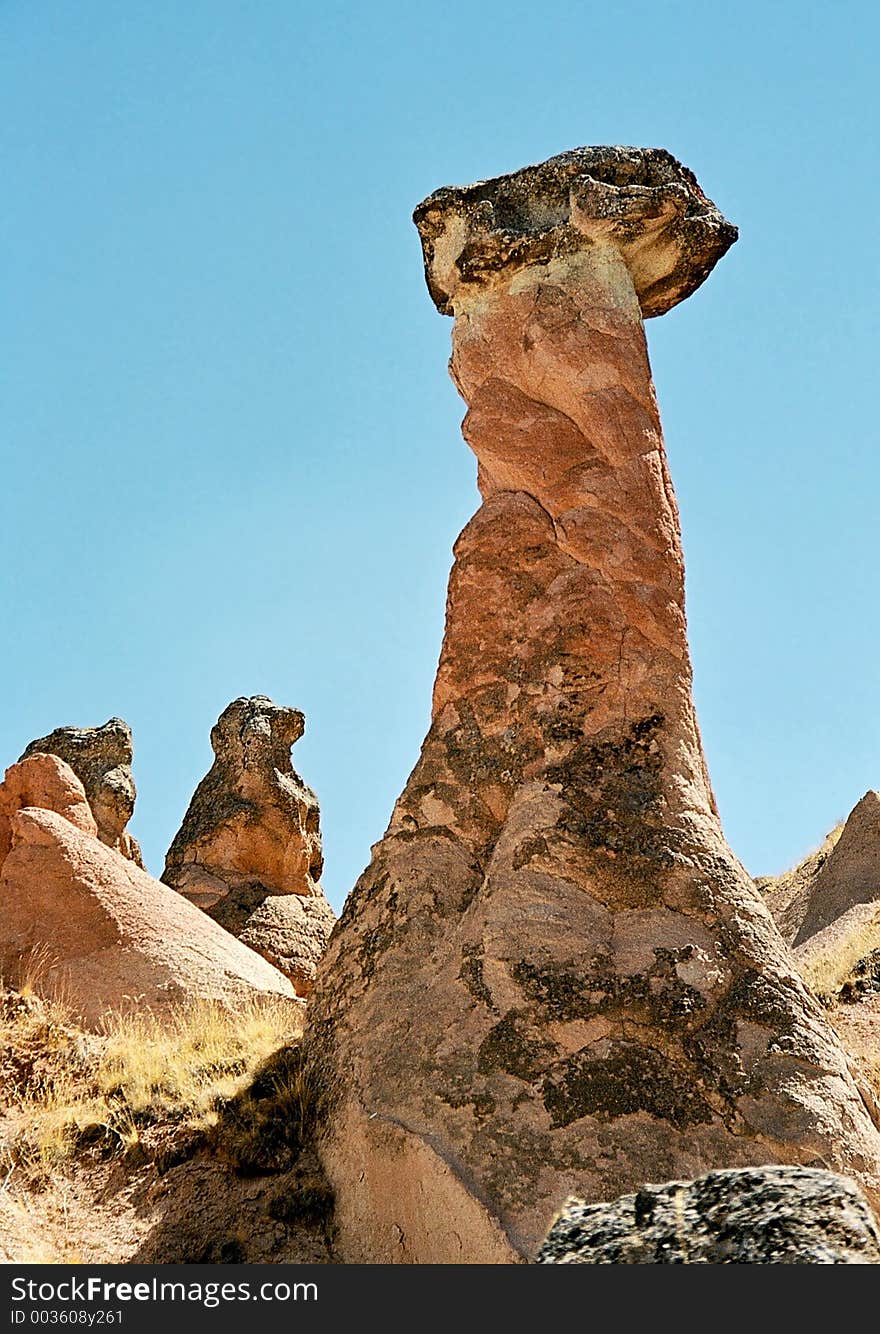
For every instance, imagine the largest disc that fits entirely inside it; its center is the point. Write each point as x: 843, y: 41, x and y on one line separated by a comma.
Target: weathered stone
x: 780, y: 891
x: 109, y: 936
x: 748, y: 1216
x: 842, y: 961
x: 847, y: 877
x: 828, y: 907
x: 46, y: 782
x: 101, y: 759
x: 291, y: 931
x: 855, y: 1015
x: 640, y: 200
x: 555, y: 977
x: 251, y: 840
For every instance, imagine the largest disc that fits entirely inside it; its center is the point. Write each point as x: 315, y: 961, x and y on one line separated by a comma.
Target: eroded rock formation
x: 555, y: 977
x: 828, y: 907
x: 46, y: 782
x: 748, y: 1216
x: 780, y: 891
x: 848, y: 877
x: 101, y: 759
x: 101, y: 933
x: 249, y: 849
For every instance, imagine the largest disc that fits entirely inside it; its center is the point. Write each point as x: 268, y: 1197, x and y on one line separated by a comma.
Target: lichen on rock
x: 87, y: 925
x: 763, y: 1215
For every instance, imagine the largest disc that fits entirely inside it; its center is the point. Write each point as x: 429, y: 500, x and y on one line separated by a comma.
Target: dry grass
x: 90, y: 1122
x: 66, y: 1090
x: 831, y: 962
x: 185, y: 1067
x: 35, y: 974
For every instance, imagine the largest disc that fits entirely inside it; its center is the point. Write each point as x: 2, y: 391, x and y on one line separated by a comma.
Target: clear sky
x: 231, y: 452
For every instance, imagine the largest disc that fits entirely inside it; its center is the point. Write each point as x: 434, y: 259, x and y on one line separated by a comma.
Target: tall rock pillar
x: 555, y: 977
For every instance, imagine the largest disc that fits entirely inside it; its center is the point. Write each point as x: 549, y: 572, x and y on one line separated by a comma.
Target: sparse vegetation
x: 265, y: 1125
x: 780, y: 890
x: 163, y: 1140
x: 843, y: 964
x: 66, y: 1091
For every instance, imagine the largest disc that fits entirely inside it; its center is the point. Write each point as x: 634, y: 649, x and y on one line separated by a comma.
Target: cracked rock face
x: 640, y: 200
x: 249, y: 849
x: 555, y: 977
x: 763, y: 1216
x: 101, y: 759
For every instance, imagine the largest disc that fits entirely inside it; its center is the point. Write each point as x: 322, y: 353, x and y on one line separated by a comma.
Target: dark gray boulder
x: 746, y: 1215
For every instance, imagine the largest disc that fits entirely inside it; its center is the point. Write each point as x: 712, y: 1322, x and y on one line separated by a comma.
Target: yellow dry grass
x: 68, y: 1088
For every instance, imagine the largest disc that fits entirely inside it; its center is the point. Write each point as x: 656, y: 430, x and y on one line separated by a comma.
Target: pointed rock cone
x: 555, y: 977
x: 101, y: 759
x: 848, y: 878
x: 90, y: 928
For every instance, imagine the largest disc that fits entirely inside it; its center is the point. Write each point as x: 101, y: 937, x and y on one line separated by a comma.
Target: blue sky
x: 232, y: 461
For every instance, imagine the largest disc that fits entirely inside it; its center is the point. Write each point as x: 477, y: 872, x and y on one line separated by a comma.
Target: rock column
x: 555, y: 977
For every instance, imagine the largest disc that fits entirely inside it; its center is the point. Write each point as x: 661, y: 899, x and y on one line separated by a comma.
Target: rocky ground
x: 156, y: 1145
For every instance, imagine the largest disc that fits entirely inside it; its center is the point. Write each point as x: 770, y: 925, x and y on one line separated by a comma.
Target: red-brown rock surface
x: 101, y: 759
x: 107, y: 936
x: 555, y: 977
x: 249, y: 849
x: 47, y: 782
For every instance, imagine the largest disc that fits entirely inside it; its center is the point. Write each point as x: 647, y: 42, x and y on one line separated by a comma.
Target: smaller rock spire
x: 249, y: 849
x: 101, y: 759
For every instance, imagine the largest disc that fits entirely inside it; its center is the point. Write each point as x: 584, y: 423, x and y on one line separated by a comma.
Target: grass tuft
x: 71, y: 1091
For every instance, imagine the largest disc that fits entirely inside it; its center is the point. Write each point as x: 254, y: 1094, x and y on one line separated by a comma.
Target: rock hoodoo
x: 106, y: 935
x: 101, y: 759
x: 249, y: 849
x: 555, y: 977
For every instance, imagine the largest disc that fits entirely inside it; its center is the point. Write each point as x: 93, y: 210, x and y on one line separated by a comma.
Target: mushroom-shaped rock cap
x: 642, y: 200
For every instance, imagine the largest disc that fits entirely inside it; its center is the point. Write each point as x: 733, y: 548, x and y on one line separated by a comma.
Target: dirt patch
x: 160, y: 1146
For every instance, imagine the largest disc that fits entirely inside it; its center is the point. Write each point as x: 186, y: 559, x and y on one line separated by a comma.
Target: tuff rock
x: 47, y: 782
x: 249, y: 849
x: 101, y: 759
x: 758, y: 1216
x: 95, y: 929
x: 828, y: 907
x: 848, y: 877
x: 555, y: 977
